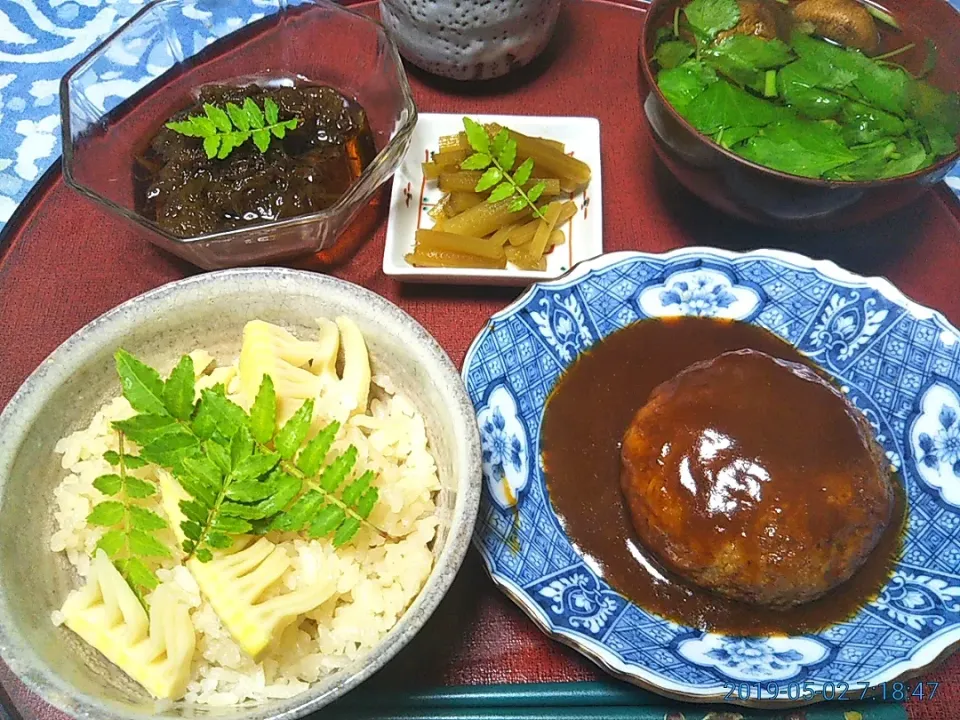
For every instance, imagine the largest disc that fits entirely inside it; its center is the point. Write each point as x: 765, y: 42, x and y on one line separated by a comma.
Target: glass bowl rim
x: 353, y: 193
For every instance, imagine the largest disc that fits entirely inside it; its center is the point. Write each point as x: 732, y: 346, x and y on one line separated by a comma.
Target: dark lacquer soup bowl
x: 765, y: 196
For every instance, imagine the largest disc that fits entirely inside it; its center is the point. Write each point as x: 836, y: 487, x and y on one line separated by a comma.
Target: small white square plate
x: 413, y: 197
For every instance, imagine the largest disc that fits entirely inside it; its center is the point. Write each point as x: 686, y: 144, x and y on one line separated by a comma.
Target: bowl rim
x: 655, y: 8
x: 34, y: 394
x: 357, y: 189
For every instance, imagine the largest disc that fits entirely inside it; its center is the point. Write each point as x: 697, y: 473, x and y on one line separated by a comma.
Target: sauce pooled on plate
x: 596, y: 401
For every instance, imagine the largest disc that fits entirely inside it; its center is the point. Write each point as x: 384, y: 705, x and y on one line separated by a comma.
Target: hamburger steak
x: 754, y: 478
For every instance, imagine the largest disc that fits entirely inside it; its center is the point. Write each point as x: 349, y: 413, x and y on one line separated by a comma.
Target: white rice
x: 376, y: 579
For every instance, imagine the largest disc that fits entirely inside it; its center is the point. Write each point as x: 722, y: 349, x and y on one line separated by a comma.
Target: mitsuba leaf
x: 864, y: 124
x: 912, y: 157
x: 670, y: 54
x: 799, y: 147
x: 709, y: 17
x: 750, y: 51
x: 724, y: 105
x: 682, y: 84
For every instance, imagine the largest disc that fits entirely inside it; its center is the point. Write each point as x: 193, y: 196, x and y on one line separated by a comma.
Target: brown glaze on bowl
x: 769, y: 197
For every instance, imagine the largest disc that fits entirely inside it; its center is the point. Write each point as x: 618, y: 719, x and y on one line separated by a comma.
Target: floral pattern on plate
x: 897, y: 362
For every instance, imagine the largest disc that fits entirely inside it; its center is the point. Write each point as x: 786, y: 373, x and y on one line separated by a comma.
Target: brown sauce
x: 188, y: 194
x: 581, y: 436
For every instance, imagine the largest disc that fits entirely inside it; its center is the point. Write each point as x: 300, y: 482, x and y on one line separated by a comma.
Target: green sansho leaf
x: 137, y: 573
x: 499, y: 142
x: 132, y: 462
x: 508, y: 156
x: 315, y: 452
x: 146, y: 545
x: 211, y: 145
x: 477, y: 161
x: 227, y: 128
x: 178, y: 389
x: 109, y: 484
x: 238, y: 116
x: 112, y: 542
x: 137, y: 488
x: 326, y: 521
x: 346, y: 532
x: 218, y: 117
x: 242, y: 476
x: 501, y: 192
x: 142, y: 385
x: 536, y: 191
x: 107, y: 513
x: 291, y: 436
x: 145, y: 428
x: 490, y: 178
x: 146, y: 520
x: 477, y: 136
x: 522, y: 174
x: 271, y: 111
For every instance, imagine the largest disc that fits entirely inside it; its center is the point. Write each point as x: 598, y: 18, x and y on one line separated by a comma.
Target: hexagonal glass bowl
x: 116, y: 98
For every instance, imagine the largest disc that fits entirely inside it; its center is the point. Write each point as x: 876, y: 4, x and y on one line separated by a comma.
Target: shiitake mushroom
x: 846, y: 22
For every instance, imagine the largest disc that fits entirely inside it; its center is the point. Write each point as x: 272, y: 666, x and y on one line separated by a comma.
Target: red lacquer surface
x: 64, y: 262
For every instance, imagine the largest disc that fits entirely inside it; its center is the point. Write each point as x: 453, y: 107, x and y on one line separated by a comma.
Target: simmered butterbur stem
x: 437, y: 240
x: 446, y: 259
x: 485, y: 218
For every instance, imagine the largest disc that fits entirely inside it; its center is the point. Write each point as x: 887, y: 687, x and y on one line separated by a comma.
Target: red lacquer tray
x: 63, y: 262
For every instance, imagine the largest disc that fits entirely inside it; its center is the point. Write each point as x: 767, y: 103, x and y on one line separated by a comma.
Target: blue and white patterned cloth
x: 40, y: 40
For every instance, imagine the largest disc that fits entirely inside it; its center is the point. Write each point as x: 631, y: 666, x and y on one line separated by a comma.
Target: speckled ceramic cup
x: 206, y: 311
x: 470, y: 39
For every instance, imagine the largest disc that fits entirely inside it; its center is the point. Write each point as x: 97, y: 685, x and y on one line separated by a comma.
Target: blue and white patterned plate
x: 897, y: 361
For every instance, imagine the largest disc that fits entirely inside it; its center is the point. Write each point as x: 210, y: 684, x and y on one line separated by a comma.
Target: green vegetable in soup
x: 806, y: 107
